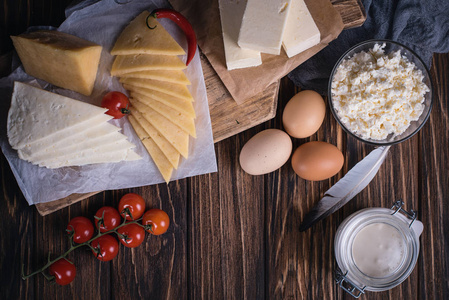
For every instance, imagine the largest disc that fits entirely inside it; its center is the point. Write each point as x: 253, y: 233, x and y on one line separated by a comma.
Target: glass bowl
x: 391, y: 46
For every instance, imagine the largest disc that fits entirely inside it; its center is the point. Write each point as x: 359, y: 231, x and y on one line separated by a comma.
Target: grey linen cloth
x: 422, y: 25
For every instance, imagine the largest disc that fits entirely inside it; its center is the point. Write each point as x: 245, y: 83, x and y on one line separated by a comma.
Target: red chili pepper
x: 182, y: 22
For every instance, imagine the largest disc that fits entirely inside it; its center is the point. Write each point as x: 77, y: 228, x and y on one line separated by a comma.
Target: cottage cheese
x: 377, y: 94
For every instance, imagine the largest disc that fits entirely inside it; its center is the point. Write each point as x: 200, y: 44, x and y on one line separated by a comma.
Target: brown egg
x: 317, y: 161
x: 265, y: 152
x: 304, y: 114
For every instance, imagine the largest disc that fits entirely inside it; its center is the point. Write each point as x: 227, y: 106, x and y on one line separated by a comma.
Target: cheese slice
x: 231, y: 14
x: 116, y: 145
x: 182, y: 105
x: 173, y: 89
x: 36, y: 114
x: 105, y: 157
x: 156, y: 154
x: 182, y: 121
x: 301, y: 32
x: 263, y: 25
x: 138, y: 38
x: 140, y: 62
x: 97, y: 143
x: 93, y: 128
x: 175, y: 76
x: 175, y: 135
x: 59, y: 58
x: 169, y: 151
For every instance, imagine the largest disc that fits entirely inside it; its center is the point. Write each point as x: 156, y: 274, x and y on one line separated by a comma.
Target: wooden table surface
x: 235, y: 236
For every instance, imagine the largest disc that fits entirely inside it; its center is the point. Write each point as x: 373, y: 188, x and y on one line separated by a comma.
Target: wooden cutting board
x: 227, y: 117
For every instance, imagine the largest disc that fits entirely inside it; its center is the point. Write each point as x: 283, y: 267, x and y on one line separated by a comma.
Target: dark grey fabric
x: 422, y: 25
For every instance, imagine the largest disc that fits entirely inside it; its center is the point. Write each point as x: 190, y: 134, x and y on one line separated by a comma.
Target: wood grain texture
x: 352, y: 12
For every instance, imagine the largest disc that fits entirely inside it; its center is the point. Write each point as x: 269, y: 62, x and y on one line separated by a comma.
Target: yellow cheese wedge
x: 175, y: 135
x: 140, y: 62
x: 173, y: 89
x: 175, y: 76
x: 182, y: 105
x: 137, y: 38
x: 182, y: 121
x: 169, y: 151
x: 59, y: 58
x: 156, y: 154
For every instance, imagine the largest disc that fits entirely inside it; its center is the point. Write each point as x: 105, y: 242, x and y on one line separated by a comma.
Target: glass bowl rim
x: 334, y: 113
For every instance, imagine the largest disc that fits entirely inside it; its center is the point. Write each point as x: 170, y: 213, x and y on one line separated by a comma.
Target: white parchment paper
x: 101, y: 22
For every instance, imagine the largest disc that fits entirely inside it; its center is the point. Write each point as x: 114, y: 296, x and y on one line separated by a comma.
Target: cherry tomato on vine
x: 63, y: 270
x: 135, y: 203
x: 117, y: 103
x: 111, y: 218
x: 107, y: 246
x: 135, y: 235
x: 82, y: 228
x: 158, y: 219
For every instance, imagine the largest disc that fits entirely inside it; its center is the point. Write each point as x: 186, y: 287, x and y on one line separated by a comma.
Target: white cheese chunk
x: 263, y: 25
x: 91, y: 129
x: 231, y: 14
x: 301, y: 32
x: 35, y: 114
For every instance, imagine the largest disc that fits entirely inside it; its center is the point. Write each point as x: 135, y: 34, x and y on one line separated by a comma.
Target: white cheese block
x: 263, y: 25
x: 35, y: 114
x: 107, y: 157
x: 93, y: 128
x: 301, y: 32
x: 231, y: 14
x: 88, y: 156
x: 76, y: 148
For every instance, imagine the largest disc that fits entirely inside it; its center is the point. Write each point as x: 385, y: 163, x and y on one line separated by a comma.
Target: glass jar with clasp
x: 376, y: 249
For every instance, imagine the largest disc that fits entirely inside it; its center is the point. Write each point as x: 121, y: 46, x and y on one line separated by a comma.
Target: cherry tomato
x: 158, y: 219
x: 111, y: 218
x: 63, y: 270
x: 135, y: 235
x: 117, y: 103
x: 82, y: 228
x: 134, y: 203
x: 108, y: 247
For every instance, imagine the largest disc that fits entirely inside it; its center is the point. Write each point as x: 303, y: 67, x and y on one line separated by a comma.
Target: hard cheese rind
x: 301, y: 32
x: 231, y: 14
x: 137, y: 38
x: 263, y: 25
x: 59, y: 58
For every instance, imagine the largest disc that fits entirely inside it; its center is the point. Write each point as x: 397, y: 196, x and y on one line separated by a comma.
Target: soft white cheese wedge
x: 231, y: 15
x: 301, y: 32
x: 35, y: 114
x: 93, y: 129
x: 263, y: 25
x: 107, y: 157
x: 87, y: 156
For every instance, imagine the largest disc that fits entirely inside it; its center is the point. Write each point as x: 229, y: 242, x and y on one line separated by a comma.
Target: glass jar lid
x: 376, y: 249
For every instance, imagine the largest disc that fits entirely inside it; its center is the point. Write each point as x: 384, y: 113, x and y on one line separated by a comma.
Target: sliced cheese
x: 138, y: 38
x: 106, y: 157
x: 182, y: 121
x: 95, y: 144
x: 93, y: 128
x: 301, y: 32
x: 173, y: 89
x: 141, y: 62
x: 36, y: 114
x: 175, y: 135
x: 156, y: 154
x: 231, y: 14
x: 169, y: 151
x: 175, y: 76
x: 263, y: 25
x: 59, y: 58
x: 182, y: 105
